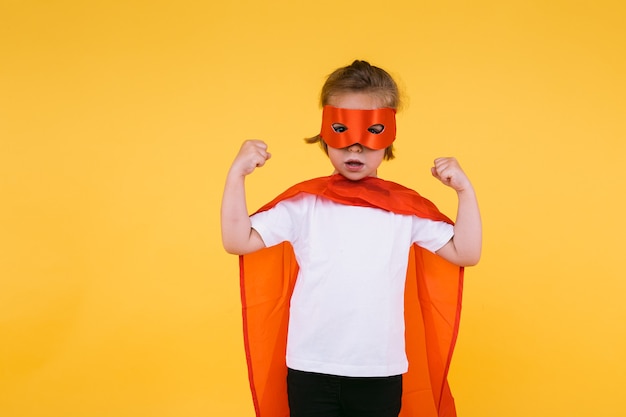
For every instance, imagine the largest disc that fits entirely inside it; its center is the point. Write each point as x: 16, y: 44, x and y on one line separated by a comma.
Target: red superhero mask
x: 374, y: 129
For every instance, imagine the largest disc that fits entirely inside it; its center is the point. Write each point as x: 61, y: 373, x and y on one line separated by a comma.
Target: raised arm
x: 238, y: 236
x: 465, y: 247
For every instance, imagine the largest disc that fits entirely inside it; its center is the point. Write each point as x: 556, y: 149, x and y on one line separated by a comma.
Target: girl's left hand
x: 449, y: 172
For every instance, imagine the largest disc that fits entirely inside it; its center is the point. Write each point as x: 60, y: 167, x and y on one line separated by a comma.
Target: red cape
x: 432, y: 304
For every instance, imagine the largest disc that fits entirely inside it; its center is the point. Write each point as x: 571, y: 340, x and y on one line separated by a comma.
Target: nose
x: 355, y: 147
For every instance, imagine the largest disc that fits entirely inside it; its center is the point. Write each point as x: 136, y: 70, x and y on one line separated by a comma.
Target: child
x: 362, y: 250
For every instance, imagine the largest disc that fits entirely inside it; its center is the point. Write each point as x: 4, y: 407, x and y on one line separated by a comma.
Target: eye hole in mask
x: 339, y: 128
x: 376, y: 129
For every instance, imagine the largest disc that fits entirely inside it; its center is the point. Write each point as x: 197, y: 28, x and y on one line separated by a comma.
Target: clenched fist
x: 252, y: 154
x: 449, y: 172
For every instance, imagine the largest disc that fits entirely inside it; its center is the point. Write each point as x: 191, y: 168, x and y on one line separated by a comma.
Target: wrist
x: 235, y: 175
x: 467, y: 191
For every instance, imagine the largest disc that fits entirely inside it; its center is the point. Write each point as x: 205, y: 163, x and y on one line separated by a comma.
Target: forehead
x: 356, y: 101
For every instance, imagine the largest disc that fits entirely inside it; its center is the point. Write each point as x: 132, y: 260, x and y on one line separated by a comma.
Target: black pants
x: 320, y: 395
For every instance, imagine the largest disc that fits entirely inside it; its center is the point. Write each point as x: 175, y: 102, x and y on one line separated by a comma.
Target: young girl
x: 334, y: 266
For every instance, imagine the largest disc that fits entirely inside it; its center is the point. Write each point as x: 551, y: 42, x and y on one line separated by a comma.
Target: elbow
x: 233, y: 249
x: 239, y: 248
x: 460, y: 255
x: 240, y: 243
x: 469, y: 260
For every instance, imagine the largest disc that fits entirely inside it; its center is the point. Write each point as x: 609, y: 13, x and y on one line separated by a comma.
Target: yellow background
x: 118, y: 122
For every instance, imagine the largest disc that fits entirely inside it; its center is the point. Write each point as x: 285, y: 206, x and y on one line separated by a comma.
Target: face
x: 356, y: 162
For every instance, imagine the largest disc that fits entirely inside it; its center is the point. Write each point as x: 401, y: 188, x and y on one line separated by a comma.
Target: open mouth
x: 354, y: 164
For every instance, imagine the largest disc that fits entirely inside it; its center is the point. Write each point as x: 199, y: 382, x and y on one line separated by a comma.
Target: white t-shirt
x: 347, y: 308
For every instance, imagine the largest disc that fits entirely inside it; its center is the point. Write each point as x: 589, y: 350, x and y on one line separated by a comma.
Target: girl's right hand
x: 252, y: 154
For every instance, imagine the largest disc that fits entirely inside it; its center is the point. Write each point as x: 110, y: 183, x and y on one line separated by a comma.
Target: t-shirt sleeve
x: 430, y: 234
x: 280, y: 223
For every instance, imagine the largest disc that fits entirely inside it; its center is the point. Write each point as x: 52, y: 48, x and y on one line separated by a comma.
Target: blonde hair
x: 360, y: 77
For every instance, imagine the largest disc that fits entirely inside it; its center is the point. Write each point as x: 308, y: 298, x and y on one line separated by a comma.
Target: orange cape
x: 432, y: 304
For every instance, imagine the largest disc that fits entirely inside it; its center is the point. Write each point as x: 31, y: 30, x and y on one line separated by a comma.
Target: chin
x: 354, y: 176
